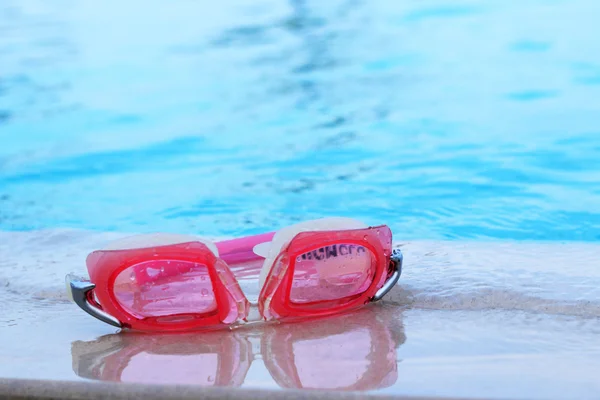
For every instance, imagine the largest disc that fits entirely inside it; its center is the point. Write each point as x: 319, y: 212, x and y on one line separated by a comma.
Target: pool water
x: 445, y: 119
x: 471, y: 128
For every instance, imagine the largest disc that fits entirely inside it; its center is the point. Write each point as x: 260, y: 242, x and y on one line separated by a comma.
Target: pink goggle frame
x: 170, y: 282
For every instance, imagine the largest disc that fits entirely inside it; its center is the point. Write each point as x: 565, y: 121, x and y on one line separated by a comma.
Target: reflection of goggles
x: 350, y: 352
x: 170, y: 282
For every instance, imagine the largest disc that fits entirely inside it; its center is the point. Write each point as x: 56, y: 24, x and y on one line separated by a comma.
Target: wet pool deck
x: 468, y: 320
x: 41, y: 389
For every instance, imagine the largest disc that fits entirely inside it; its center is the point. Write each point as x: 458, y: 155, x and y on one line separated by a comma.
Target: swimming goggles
x: 163, y: 282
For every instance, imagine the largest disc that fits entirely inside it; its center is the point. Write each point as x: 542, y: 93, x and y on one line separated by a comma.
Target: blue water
x: 445, y: 119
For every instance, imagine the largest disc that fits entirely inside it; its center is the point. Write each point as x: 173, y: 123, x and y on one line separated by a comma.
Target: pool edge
x: 51, y: 389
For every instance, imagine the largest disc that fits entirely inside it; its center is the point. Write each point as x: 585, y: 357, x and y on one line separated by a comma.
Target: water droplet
x: 298, y: 259
x: 168, y: 262
x: 152, y: 272
x: 365, y: 238
x: 132, y: 277
x: 204, y: 292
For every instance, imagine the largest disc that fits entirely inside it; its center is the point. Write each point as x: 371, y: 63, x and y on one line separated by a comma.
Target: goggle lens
x: 162, y: 288
x: 331, y: 273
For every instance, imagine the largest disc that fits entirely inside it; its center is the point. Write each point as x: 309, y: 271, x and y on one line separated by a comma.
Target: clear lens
x: 162, y: 288
x: 331, y: 273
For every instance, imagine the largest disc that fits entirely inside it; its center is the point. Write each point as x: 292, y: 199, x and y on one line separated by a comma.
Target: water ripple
x: 252, y: 120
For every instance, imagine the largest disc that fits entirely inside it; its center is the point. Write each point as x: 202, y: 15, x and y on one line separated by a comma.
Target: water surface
x: 446, y: 119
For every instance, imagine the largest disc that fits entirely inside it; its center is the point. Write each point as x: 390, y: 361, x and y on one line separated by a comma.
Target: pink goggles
x: 164, y: 282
